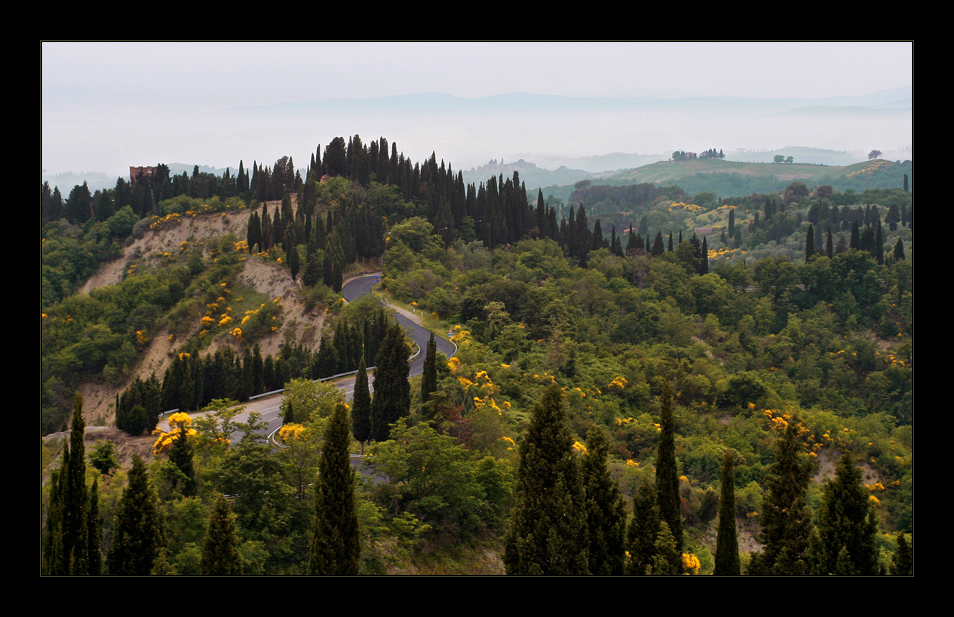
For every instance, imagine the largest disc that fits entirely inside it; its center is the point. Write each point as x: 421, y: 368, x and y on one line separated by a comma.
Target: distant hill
x: 731, y: 178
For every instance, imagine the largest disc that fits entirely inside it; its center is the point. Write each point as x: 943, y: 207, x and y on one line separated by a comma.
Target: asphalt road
x: 270, y: 406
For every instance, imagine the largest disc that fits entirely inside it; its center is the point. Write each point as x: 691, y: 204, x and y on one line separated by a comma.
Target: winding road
x: 269, y: 407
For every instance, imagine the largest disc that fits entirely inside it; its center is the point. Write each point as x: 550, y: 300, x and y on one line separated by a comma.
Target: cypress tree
x: 667, y: 476
x: 220, y: 556
x: 548, y: 533
x: 667, y: 558
x: 846, y: 521
x: 429, y: 376
x: 361, y: 405
x: 809, y: 243
x: 53, y: 562
x: 704, y: 257
x: 642, y: 530
x: 903, y: 564
x: 336, y: 544
x: 786, y: 517
x: 181, y: 455
x: 137, y: 527
x: 75, y: 496
x: 899, y: 250
x: 727, y: 543
x: 605, y: 511
x: 392, y: 391
x: 94, y: 531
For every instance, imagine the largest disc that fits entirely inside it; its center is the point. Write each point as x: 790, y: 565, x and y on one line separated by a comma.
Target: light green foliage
x: 312, y: 401
x: 438, y: 482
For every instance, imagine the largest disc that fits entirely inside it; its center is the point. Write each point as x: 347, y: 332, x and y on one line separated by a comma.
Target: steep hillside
x: 265, y: 277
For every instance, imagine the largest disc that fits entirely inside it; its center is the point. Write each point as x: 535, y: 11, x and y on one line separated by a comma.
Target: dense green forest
x: 648, y: 380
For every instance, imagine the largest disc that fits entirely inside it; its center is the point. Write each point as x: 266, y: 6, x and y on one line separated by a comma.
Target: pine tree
x: 392, y: 391
x: 727, y: 561
x: 667, y: 476
x: 181, y: 455
x: 137, y: 526
x: 846, y: 521
x: 548, y: 532
x: 220, y: 556
x: 642, y: 530
x: 667, y: 558
x: 903, y: 564
x: 336, y: 544
x: 605, y: 511
x: 786, y: 517
x: 361, y: 405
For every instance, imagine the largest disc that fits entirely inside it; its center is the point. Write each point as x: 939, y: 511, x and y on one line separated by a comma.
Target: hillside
x: 265, y: 277
x: 736, y: 179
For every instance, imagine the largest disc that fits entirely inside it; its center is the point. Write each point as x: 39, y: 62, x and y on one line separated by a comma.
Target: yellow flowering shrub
x: 690, y: 563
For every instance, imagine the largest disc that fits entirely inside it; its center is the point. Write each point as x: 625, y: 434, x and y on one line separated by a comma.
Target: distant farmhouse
x: 141, y: 172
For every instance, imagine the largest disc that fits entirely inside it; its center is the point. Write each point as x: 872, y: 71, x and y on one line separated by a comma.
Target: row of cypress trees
x: 569, y: 517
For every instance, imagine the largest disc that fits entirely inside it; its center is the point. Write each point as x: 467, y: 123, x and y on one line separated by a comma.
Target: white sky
x: 91, y: 91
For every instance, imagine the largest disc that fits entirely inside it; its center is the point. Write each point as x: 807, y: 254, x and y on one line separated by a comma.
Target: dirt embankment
x: 266, y: 277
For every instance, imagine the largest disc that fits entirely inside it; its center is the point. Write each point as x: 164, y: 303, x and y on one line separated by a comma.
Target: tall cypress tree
x: 53, y: 562
x: 75, y: 496
x: 786, y: 517
x: 667, y: 476
x: 94, y: 531
x: 548, y: 533
x: 429, y: 376
x: 809, y: 243
x: 220, y: 556
x: 727, y: 543
x: 137, y: 527
x: 336, y: 544
x: 642, y: 530
x: 605, y: 511
x: 361, y: 405
x: 181, y: 455
x: 392, y: 391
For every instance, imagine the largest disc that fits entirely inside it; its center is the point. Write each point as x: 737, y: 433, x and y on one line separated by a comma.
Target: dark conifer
x: 667, y: 476
x: 903, y: 564
x: 667, y: 558
x: 137, y: 526
x: 642, y: 530
x: 75, y: 496
x: 786, y: 517
x: 605, y: 511
x: 846, y: 521
x: 220, y: 556
x: 809, y: 243
x: 548, y: 532
x: 429, y: 376
x: 336, y: 543
x: 181, y: 455
x: 94, y: 531
x: 361, y: 405
x: 392, y: 391
x: 727, y: 543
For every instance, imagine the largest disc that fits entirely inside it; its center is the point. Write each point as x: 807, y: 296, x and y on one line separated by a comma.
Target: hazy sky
x: 97, y: 98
